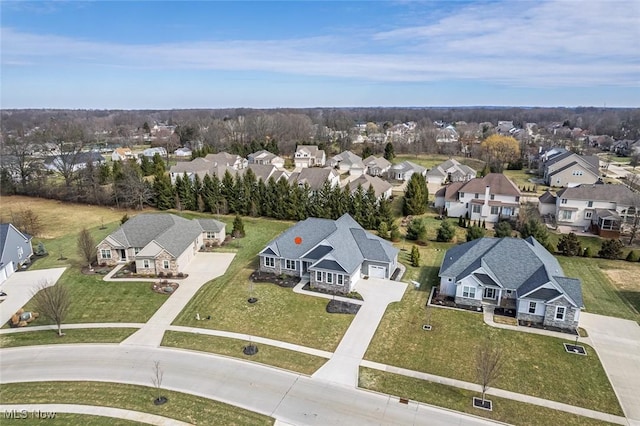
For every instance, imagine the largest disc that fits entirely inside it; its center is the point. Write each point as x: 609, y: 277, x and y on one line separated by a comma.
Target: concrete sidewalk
x: 617, y: 342
x: 497, y: 392
x: 298, y: 289
x: 202, y: 269
x: 343, y: 366
x: 73, y: 326
x: 21, y: 286
x: 50, y: 411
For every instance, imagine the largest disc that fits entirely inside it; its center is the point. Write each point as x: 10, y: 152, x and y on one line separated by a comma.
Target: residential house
x: 183, y: 152
x: 151, y: 152
x: 381, y: 188
x: 212, y: 165
x: 15, y: 250
x: 229, y: 160
x: 450, y: 171
x: 122, y: 154
x: 315, y: 178
x: 490, y: 198
x: 602, y: 208
x: 266, y: 158
x: 347, y: 161
x: 159, y: 242
x: 404, y: 170
x: 309, y: 156
x: 515, y: 274
x: 447, y: 134
x: 332, y: 254
x: 547, y: 204
x: 570, y: 169
x: 73, y: 161
x: 376, y: 166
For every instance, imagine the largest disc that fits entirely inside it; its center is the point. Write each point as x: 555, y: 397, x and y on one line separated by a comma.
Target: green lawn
x: 279, y: 313
x: 522, y: 179
x: 65, y: 419
x: 270, y: 355
x: 599, y: 293
x: 181, y: 406
x: 50, y: 337
x: 532, y: 362
x: 504, y: 410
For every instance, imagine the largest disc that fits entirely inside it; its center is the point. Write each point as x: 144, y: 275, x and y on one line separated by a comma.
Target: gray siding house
x: 515, y: 274
x: 15, y: 250
x: 159, y: 242
x: 334, y: 255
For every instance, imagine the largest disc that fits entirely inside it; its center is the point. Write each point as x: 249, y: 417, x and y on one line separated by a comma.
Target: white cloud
x: 525, y: 44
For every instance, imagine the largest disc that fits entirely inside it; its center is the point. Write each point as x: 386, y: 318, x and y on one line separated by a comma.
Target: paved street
x: 288, y: 397
x: 21, y: 286
x: 617, y: 342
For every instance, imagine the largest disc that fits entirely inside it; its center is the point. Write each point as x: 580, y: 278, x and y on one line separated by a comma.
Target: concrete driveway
x: 20, y: 288
x: 617, y: 342
x: 202, y: 269
x: 343, y: 366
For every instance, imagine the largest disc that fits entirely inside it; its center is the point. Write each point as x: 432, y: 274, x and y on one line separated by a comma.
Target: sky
x: 294, y: 54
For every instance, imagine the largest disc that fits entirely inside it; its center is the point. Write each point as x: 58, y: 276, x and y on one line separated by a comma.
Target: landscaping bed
x: 342, y: 307
x: 164, y: 287
x: 352, y: 295
x: 281, y: 280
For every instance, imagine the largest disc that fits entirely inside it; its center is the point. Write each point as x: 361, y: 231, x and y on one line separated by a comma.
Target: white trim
x: 564, y: 313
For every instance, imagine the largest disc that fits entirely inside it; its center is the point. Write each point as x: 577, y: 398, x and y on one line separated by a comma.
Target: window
x: 577, y: 173
x: 475, y: 208
x: 495, y: 209
x: 165, y: 264
x: 290, y: 264
x: 560, y: 311
x: 493, y: 196
x: 329, y: 278
x: 517, y: 199
x: 532, y: 307
x: 270, y: 262
x: 589, y: 203
x: 476, y: 195
x: 105, y: 253
x: 319, y: 276
x: 145, y: 264
x: 489, y: 293
x: 563, y: 201
x: 469, y: 292
x: 340, y: 279
x: 136, y: 250
x: 588, y: 214
x: 565, y: 214
x: 461, y: 194
x: 211, y: 235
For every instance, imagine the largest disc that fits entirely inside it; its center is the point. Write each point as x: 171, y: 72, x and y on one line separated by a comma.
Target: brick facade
x: 467, y: 301
x: 534, y: 319
x: 568, y: 323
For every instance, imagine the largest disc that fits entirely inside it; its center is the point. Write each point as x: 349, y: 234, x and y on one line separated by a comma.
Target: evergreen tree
x: 366, y: 151
x: 587, y: 252
x: 185, y: 193
x: 227, y: 188
x: 446, y: 232
x: 569, y: 245
x: 238, y: 227
x: 416, y: 196
x: 474, y: 233
x: 389, y: 155
x: 417, y: 230
x: 163, y: 191
x: 631, y: 257
x: 104, y: 174
x: 383, y: 230
x: 503, y: 229
x: 384, y: 213
x: 146, y: 166
x: 415, y: 256
x: 158, y: 163
x: 611, y: 249
x: 394, y: 233
x: 536, y: 229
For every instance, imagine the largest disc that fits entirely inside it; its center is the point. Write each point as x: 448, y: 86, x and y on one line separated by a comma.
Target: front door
x: 489, y: 293
x: 123, y: 254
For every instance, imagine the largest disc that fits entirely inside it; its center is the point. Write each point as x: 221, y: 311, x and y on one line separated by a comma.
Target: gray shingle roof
x: 545, y: 294
x: 619, y: 194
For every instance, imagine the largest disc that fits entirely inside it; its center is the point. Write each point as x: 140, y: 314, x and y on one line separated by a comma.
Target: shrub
x: 587, y: 252
x: 611, y: 249
x: 503, y: 229
x: 417, y: 230
x: 415, y: 256
x: 180, y: 274
x: 569, y: 245
x: 474, y: 233
x: 445, y: 232
x: 169, y: 274
x: 161, y: 274
x: 632, y: 257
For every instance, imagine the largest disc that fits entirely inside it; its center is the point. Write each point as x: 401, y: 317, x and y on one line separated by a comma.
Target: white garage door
x: 6, y: 271
x: 377, y: 271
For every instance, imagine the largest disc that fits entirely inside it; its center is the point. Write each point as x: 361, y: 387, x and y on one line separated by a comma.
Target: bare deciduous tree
x: 87, y: 246
x: 488, y: 365
x: 156, y: 379
x: 53, y: 301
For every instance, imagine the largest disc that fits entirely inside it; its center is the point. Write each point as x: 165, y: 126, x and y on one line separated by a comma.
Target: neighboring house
x: 265, y: 158
x: 450, y: 171
x: 151, y: 152
x: 15, y: 250
x: 381, y: 188
x: 404, y: 170
x: 212, y: 165
x: 309, y: 156
x: 447, y: 134
x: 159, y: 242
x: 183, y: 152
x: 334, y: 255
x: 347, y: 161
x: 547, y: 204
x: 122, y: 154
x: 315, y: 178
x: 76, y: 161
x: 515, y: 274
x: 229, y: 160
x: 570, y: 169
x: 490, y: 198
x: 376, y: 166
x: 601, y: 208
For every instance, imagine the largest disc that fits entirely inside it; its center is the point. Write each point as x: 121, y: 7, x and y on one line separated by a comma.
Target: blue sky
x: 209, y: 54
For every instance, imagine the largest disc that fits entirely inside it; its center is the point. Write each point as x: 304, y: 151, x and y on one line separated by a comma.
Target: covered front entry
x: 376, y: 271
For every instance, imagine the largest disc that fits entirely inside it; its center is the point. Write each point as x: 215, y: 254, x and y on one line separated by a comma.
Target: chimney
x: 487, y: 191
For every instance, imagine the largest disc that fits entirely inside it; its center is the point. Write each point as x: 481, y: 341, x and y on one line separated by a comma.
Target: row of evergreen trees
x: 249, y: 196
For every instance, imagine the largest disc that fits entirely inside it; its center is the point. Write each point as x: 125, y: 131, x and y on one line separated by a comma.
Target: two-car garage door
x: 6, y: 271
x: 376, y: 271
